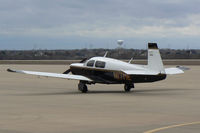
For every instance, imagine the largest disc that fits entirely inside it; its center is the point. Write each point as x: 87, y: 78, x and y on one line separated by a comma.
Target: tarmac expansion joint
x: 171, y: 126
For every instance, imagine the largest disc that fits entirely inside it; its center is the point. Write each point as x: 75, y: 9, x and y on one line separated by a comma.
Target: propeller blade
x: 83, y: 60
x: 68, y: 71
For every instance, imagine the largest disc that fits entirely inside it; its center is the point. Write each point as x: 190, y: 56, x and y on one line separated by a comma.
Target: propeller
x: 83, y: 60
x: 69, y: 70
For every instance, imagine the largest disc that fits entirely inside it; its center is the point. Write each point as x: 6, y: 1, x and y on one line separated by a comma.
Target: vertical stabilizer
x: 155, y: 62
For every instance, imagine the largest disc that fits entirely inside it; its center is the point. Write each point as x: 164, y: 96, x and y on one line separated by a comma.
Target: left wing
x: 55, y: 75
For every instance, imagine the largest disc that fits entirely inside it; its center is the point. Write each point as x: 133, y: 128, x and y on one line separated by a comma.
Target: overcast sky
x: 71, y: 24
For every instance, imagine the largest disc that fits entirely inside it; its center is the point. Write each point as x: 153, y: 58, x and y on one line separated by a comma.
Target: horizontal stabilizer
x: 173, y: 71
x: 54, y: 75
x: 183, y: 68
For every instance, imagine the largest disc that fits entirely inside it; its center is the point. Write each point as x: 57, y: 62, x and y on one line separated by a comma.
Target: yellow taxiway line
x: 172, y: 126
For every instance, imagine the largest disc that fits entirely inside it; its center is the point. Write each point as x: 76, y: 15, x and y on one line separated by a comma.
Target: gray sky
x: 70, y: 24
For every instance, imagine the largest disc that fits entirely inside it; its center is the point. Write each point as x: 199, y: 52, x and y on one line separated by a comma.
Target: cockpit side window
x: 100, y: 64
x: 90, y: 63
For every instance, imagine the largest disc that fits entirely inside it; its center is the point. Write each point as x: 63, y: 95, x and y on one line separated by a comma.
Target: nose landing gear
x: 82, y: 87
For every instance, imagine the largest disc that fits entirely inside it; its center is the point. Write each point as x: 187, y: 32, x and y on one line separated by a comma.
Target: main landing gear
x: 82, y: 87
x: 127, y: 87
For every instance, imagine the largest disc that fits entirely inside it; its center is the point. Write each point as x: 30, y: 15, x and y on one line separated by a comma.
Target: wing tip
x: 10, y: 70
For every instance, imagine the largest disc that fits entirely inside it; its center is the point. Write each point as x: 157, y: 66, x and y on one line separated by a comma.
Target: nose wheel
x: 128, y: 87
x: 82, y: 87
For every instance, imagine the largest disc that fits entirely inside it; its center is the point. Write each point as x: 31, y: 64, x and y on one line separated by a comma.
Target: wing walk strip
x: 172, y: 126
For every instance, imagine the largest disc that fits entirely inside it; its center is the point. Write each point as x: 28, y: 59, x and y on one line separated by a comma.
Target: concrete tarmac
x: 31, y: 104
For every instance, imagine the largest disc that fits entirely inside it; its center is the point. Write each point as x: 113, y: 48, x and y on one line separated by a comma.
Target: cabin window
x: 90, y: 63
x: 100, y: 64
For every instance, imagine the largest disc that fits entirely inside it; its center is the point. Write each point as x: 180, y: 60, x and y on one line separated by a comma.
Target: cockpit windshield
x: 90, y: 63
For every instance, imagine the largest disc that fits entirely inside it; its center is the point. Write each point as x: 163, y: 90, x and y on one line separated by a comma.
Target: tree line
x: 78, y: 54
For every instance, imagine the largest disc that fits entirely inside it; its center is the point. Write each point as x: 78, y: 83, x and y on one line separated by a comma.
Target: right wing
x: 55, y: 75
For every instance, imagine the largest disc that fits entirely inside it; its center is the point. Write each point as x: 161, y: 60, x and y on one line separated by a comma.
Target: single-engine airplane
x: 106, y: 70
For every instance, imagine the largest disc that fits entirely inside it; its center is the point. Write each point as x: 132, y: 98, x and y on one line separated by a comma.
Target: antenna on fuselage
x: 130, y: 60
x: 105, y: 54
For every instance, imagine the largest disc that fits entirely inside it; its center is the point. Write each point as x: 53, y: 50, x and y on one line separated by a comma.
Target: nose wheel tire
x: 82, y: 87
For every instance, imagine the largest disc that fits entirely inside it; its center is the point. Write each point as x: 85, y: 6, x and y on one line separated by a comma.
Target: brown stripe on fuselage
x: 100, y: 75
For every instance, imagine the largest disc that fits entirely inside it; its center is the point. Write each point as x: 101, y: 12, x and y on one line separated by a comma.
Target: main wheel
x: 82, y: 87
x: 127, y: 88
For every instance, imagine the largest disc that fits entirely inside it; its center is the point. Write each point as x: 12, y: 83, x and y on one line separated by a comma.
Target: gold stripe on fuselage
x: 119, y: 75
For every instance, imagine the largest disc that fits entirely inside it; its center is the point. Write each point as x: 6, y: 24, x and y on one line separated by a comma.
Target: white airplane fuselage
x: 112, y: 71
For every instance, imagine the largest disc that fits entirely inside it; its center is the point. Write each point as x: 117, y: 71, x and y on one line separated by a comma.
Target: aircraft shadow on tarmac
x: 139, y: 92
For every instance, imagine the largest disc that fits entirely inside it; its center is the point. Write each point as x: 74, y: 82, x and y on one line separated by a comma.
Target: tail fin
x: 155, y: 62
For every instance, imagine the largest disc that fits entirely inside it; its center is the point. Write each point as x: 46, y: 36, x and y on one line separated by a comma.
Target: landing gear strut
x: 82, y: 87
x: 127, y: 87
